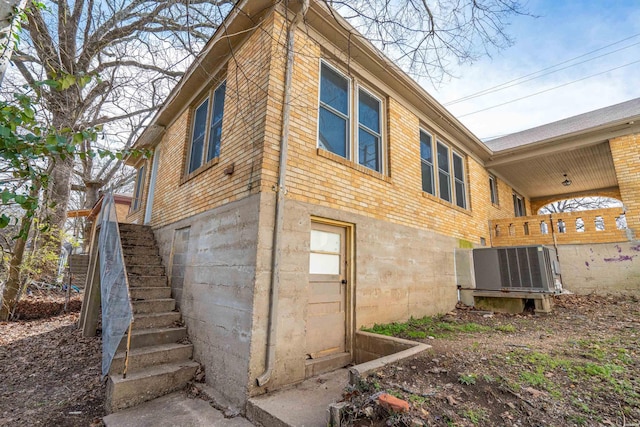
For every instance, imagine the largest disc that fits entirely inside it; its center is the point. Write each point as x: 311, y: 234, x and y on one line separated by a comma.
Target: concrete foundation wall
x: 399, y: 272
x: 214, y: 287
x: 601, y: 268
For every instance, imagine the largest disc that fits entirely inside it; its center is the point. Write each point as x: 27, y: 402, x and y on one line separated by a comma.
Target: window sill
x: 446, y: 204
x: 200, y: 170
x: 346, y: 162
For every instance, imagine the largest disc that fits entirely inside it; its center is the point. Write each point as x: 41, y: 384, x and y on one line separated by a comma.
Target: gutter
x: 300, y: 8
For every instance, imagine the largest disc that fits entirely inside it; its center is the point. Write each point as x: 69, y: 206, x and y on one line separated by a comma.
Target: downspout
x: 300, y: 8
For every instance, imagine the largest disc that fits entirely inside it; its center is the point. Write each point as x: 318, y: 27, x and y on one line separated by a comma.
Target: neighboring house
x: 382, y: 188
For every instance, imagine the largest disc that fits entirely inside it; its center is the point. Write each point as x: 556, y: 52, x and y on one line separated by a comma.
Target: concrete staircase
x: 160, y: 356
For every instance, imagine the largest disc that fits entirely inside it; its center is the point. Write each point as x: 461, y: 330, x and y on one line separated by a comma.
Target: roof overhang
x: 538, y: 169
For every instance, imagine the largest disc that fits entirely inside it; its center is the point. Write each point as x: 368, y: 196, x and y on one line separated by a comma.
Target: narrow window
x: 599, y: 221
x: 137, y: 195
x: 334, y: 112
x: 518, y: 205
x: 544, y: 228
x: 206, y: 130
x: 458, y: 178
x: 493, y: 189
x: 444, y: 176
x: 197, y: 137
x: 426, y: 162
x: 525, y: 227
x: 562, y: 228
x: 369, y: 138
x: 621, y: 222
x: 215, y: 127
x: 579, y: 225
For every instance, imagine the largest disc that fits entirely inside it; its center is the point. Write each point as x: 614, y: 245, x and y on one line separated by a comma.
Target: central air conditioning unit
x: 517, y: 268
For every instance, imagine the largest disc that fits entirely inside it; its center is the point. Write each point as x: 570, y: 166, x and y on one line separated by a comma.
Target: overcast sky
x: 562, y: 31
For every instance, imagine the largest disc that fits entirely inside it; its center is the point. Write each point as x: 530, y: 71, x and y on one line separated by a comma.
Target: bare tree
x: 579, y: 204
x: 115, y: 60
x: 425, y: 37
x: 135, y: 50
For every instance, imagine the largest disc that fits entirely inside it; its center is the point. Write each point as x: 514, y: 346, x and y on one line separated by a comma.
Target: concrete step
x: 147, y: 281
x: 154, y: 336
x: 127, y: 226
x: 153, y: 305
x: 156, y: 320
x: 145, y: 270
x: 136, y: 251
x: 142, y: 358
x: 142, y: 260
x: 147, y: 384
x: 137, y: 241
x: 146, y: 293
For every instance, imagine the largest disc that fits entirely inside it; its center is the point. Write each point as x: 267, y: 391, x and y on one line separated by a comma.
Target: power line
x: 549, y: 89
x: 487, y: 91
x: 493, y: 88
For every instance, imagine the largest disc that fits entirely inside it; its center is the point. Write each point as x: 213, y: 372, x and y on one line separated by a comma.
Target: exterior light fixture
x: 567, y: 181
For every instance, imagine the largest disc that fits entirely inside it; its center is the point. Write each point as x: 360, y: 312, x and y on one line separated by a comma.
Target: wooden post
x: 91, y: 302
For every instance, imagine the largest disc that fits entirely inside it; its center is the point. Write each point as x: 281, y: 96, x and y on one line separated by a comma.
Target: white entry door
x: 326, y: 314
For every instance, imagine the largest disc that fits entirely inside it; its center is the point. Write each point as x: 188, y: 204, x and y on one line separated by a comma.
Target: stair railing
x: 117, y: 311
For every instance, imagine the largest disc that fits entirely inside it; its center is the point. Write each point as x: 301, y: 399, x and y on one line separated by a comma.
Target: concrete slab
x: 304, y: 405
x: 175, y: 409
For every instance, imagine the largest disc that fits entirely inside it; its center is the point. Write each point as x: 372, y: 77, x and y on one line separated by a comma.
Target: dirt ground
x: 578, y: 366
x: 49, y: 373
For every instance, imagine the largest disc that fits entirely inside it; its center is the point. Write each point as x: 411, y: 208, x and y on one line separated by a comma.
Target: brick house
x: 276, y: 257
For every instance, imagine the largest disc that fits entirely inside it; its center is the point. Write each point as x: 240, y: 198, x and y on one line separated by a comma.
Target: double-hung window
x: 518, y: 205
x: 493, y: 189
x: 443, y: 176
x: 206, y: 131
x: 458, y: 180
x: 137, y: 195
x: 426, y: 163
x: 342, y: 132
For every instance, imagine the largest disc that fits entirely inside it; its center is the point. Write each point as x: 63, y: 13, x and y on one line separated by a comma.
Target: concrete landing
x: 304, y: 405
x: 175, y: 409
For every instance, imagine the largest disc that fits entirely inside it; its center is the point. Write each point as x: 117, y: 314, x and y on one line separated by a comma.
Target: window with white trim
x: 493, y: 189
x: 356, y: 136
x: 445, y: 173
x: 518, y: 205
x: 137, y: 194
x: 426, y: 163
x: 444, y: 176
x: 206, y: 130
x: 458, y: 180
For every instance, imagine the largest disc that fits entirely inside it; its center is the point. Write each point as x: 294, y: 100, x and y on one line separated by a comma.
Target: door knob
x: 343, y: 281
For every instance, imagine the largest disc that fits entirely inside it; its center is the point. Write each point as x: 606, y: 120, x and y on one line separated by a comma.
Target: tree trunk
x: 92, y: 194
x: 12, y: 286
x: 58, y: 191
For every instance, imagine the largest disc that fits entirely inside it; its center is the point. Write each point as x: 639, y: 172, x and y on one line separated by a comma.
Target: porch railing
x: 593, y: 226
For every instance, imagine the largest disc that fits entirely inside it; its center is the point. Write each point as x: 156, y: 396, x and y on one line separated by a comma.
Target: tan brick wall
x: 317, y: 176
x: 252, y: 129
x: 626, y: 154
x: 596, y: 226
x: 247, y: 80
